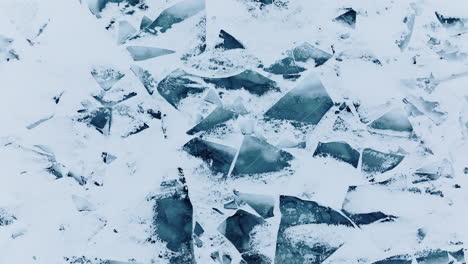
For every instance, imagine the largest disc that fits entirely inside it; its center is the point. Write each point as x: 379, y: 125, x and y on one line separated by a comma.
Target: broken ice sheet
x: 106, y: 77
x: 262, y: 204
x: 96, y: 6
x: 433, y: 257
x: 249, y: 80
x: 374, y: 161
x: 175, y: 14
x: 217, y: 156
x: 369, y: 218
x: 400, y: 259
x: 173, y: 221
x: 237, y: 228
x: 228, y: 42
x: 258, y: 156
x: 101, y: 119
x: 140, y: 53
x: 348, y: 18
x: 307, y: 103
x: 338, y: 150
x: 419, y: 106
x: 126, y: 30
x: 145, y: 78
x: 434, y: 171
x: 215, y: 119
x: 213, y: 97
x: 178, y: 85
x: 395, y: 120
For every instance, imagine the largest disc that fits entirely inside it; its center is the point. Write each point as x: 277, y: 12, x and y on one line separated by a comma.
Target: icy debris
x: 101, y: 98
x: 374, y: 161
x: 145, y: 78
x: 221, y: 258
x: 295, y: 211
x: 450, y: 21
x: 106, y: 77
x: 369, y: 218
x: 101, y: 119
x: 348, y: 18
x: 301, y: 252
x: 82, y: 204
x: 400, y: 259
x: 178, y: 85
x: 238, y: 106
x: 215, y: 119
x: 154, y: 113
x: 229, y: 42
x: 307, y: 103
x: 81, y: 180
x: 40, y: 121
x: 96, y: 6
x: 237, y: 228
x: 140, y: 53
x: 6, y: 53
x: 262, y: 204
x: 108, y: 158
x: 6, y: 218
x: 419, y: 106
x: 406, y: 37
x: 87, y: 260
x: 249, y: 80
x: 303, y: 53
x: 257, y: 156
x: 394, y: 120
x: 173, y: 221
x: 432, y: 257
x: 145, y: 22
x: 434, y: 171
x: 459, y: 255
x: 126, y: 31
x: 338, y: 150
x: 212, y: 97
x: 255, y: 258
x: 217, y: 156
x: 175, y: 14
x: 137, y: 129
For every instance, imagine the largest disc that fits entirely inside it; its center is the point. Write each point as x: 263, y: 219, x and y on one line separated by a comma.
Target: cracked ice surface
x: 233, y: 131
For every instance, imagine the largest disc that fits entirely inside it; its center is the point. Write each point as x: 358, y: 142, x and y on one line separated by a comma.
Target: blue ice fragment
x: 262, y: 204
x: 101, y: 119
x: 450, y: 21
x: 140, y: 53
x: 437, y: 256
x: 126, y: 30
x: 295, y: 211
x: 257, y: 156
x: 251, y: 81
x: 198, y: 229
x: 215, y: 119
x: 178, y: 85
x: 459, y: 255
x: 286, y: 66
x: 176, y: 14
x: 307, y: 103
x: 106, y: 77
x: 217, y: 156
x: 374, y: 161
x: 145, y: 22
x: 229, y: 42
x: 339, y: 150
x: 400, y: 259
x: 255, y: 258
x: 145, y: 78
x: 301, y: 252
x: 348, y: 18
x: 395, y: 120
x: 237, y: 228
x: 173, y: 222
x: 369, y: 218
x: 306, y: 52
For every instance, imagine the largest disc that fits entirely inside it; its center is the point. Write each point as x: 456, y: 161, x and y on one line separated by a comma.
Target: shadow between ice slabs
x: 173, y: 221
x: 306, y: 104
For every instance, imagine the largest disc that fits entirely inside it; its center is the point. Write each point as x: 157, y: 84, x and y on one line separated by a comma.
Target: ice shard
x: 217, y: 156
x: 286, y: 66
x: 175, y: 14
x: 179, y: 85
x: 108, y: 158
x: 258, y: 156
x: 348, y: 18
x: 126, y: 31
x: 459, y: 255
x: 306, y: 52
x: 338, y: 150
x: 198, y: 229
x: 400, y: 259
x: 106, y: 77
x: 306, y: 104
x: 101, y: 119
x: 145, y: 78
x: 212, y: 97
x: 215, y: 119
x: 145, y: 22
x: 434, y: 171
x: 229, y: 42
x: 437, y: 256
x: 140, y: 53
x: 262, y: 204
x: 394, y: 120
x: 374, y: 161
x: 249, y: 80
x: 369, y: 218
x: 237, y: 228
x: 173, y: 221
x: 295, y: 211
x: 101, y: 98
